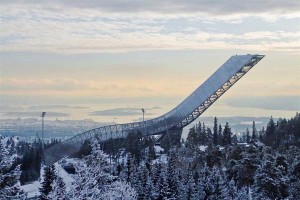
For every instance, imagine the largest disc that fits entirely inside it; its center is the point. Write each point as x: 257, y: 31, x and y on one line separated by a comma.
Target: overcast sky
x: 107, y: 55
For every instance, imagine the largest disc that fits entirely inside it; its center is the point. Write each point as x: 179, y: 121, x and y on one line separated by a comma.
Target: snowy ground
x: 202, y: 147
x: 158, y: 149
x: 32, y: 189
x: 67, y: 178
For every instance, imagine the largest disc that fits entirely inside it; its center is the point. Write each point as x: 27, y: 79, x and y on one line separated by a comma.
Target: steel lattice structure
x: 182, y: 115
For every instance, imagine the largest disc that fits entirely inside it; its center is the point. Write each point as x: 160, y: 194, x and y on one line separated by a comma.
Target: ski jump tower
x: 182, y: 115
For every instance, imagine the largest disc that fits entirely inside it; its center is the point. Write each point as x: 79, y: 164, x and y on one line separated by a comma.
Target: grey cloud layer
x: 67, y: 28
x: 121, y: 112
x: 66, y: 85
x: 55, y: 107
x: 176, y: 6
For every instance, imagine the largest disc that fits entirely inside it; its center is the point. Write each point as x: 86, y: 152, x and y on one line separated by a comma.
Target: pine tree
x: 270, y: 133
x: 129, y: 169
x: 254, y: 133
x: 156, y: 180
x: 209, y: 136
x: 226, y: 135
x: 58, y: 191
x: 191, y: 139
x: 47, y: 184
x: 269, y: 181
x: 134, y: 145
x: 9, y: 176
x: 204, y: 135
x: 211, y: 184
x: 215, y: 132
x: 229, y: 191
x: 118, y: 190
x: 248, y: 138
x: 220, y: 136
x: 172, y: 181
x: 242, y: 194
x: 294, y: 189
x: 93, y: 175
x: 151, y: 152
x: 199, y: 132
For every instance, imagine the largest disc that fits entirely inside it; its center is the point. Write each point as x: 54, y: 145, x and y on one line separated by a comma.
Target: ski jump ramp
x: 182, y: 115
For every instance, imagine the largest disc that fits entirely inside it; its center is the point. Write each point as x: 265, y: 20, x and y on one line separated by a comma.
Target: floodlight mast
x: 143, y: 110
x: 43, y: 147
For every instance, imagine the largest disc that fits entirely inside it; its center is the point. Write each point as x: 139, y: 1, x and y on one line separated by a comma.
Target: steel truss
x: 204, y: 106
x: 155, y: 126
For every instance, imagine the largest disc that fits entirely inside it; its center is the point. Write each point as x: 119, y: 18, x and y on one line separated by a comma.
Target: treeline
x: 135, y: 144
x: 232, y: 173
x: 279, y: 135
x: 202, y: 135
x: 283, y: 133
x: 27, y: 155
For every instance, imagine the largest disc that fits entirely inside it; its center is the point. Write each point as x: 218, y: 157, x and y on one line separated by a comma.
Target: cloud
x: 8, y: 108
x: 35, y: 114
x: 66, y: 85
x: 55, y: 107
x: 287, y: 103
x: 171, y: 6
x: 120, y: 112
x: 71, y: 27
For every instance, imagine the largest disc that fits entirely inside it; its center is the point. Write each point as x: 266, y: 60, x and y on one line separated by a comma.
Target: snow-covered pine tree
x: 269, y: 182
x: 58, y: 191
x: 9, y: 178
x: 156, y: 180
x: 130, y: 170
x: 93, y: 174
x: 47, y: 184
x: 118, y: 190
x: 211, y: 182
x: 242, y: 194
x: 172, y: 179
x: 93, y: 179
x: 188, y: 188
x: 294, y: 185
x: 229, y: 190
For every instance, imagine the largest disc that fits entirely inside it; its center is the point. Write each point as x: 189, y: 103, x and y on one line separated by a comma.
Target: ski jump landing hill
x: 182, y: 115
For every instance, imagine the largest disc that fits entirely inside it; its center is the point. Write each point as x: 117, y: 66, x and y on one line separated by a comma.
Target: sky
x: 105, y: 60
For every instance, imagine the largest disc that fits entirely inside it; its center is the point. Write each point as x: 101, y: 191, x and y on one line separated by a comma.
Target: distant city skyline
x: 106, y: 60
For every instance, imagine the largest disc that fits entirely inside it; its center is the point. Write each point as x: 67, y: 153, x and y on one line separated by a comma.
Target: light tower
x: 143, y: 110
x: 43, y: 116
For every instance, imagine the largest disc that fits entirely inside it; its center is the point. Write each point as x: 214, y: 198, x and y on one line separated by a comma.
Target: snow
x: 68, y: 180
x: 260, y: 144
x: 158, y: 149
x: 32, y: 189
x: 161, y: 159
x: 6, y: 138
x: 202, y: 147
x: 221, y: 148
